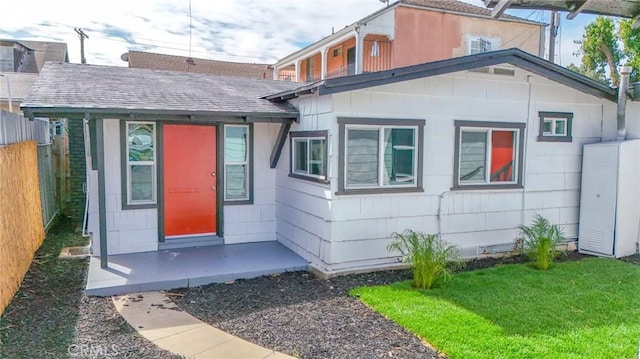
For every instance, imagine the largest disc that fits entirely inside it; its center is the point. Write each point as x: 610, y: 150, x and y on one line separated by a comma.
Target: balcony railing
x: 376, y: 57
x: 287, y: 76
x: 342, y: 71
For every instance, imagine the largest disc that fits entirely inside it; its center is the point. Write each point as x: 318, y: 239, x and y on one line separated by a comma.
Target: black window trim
x: 459, y: 125
x: 549, y: 138
x: 323, y: 134
x: 344, y: 121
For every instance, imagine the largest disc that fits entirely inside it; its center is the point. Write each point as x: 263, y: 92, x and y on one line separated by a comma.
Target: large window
x: 237, y: 158
x: 488, y: 154
x: 555, y: 126
x: 309, y: 155
x: 380, y: 155
x: 140, y: 151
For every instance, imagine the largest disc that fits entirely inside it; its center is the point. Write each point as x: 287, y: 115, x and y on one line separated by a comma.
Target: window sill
x: 379, y: 190
x: 238, y: 202
x: 487, y: 187
x: 554, y: 139
x: 128, y: 207
x: 310, y: 179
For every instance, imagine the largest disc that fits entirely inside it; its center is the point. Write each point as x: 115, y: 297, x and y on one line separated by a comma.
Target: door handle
x: 213, y: 174
x: 213, y: 188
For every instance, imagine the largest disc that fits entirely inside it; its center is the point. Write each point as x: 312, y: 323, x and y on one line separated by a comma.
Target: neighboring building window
x: 309, y: 155
x: 140, y: 149
x: 488, y: 154
x: 237, y: 157
x: 555, y: 126
x: 479, y: 45
x: 380, y: 154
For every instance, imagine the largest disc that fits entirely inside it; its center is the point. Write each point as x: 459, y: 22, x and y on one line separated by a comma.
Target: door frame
x: 219, y: 178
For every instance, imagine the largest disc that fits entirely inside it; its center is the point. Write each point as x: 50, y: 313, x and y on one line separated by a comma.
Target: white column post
x: 297, y: 70
x: 323, y: 68
x: 359, y: 50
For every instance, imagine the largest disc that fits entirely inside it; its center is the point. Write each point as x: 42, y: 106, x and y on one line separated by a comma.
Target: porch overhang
x: 160, y: 115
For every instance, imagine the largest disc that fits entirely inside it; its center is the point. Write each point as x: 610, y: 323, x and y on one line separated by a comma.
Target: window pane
x: 473, y: 156
x: 561, y: 126
x: 300, y: 162
x: 362, y: 157
x: 399, y: 149
x: 141, y: 182
x: 140, y: 142
x: 547, y: 127
x: 316, y: 157
x: 502, y: 156
x: 235, y: 143
x: 236, y: 182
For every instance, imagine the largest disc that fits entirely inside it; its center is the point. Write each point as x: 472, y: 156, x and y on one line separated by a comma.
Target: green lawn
x: 580, y: 309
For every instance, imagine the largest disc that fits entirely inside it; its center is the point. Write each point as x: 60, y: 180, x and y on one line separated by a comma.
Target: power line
x: 136, y: 43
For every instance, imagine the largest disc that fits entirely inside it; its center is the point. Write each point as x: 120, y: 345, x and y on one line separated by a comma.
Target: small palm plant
x: 430, y: 258
x: 540, y: 240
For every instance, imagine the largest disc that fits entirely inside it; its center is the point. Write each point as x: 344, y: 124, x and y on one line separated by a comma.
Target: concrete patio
x: 189, y: 267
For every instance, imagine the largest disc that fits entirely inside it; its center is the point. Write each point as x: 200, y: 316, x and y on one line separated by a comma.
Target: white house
x: 469, y: 148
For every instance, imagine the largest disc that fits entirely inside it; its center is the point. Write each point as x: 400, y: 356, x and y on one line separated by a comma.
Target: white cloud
x: 233, y: 30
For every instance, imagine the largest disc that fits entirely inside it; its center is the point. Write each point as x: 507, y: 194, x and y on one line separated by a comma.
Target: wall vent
x: 495, y: 71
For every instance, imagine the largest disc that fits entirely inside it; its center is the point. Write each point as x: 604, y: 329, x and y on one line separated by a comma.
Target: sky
x: 229, y: 30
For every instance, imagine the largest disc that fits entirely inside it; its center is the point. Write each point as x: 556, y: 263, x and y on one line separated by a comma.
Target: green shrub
x: 430, y: 258
x: 540, y: 240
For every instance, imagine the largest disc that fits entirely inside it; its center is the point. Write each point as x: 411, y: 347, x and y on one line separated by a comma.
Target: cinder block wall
x: 77, y: 164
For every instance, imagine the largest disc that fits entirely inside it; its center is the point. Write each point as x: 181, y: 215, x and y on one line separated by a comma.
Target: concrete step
x: 187, y: 242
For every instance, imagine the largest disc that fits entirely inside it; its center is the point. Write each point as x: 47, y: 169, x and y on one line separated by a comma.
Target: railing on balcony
x: 376, y: 55
x: 342, y: 71
x: 287, y: 76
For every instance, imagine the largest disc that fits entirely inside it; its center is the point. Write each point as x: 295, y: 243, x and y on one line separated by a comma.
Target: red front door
x: 189, y: 153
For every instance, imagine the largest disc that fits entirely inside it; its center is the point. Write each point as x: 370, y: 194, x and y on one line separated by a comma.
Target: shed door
x: 189, y: 159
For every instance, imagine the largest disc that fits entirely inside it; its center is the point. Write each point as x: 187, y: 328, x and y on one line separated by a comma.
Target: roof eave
x: 488, y: 17
x: 32, y: 111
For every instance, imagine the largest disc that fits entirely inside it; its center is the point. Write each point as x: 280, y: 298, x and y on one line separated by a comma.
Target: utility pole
x: 553, y: 32
x: 82, y: 36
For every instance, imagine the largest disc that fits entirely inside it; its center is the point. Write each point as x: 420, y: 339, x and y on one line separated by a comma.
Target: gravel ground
x: 50, y: 317
x: 301, y: 315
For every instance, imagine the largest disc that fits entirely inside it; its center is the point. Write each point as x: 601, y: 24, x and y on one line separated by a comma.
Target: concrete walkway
x: 160, y: 320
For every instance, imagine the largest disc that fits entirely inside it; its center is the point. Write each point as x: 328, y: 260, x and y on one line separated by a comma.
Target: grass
x: 40, y: 320
x: 579, y: 309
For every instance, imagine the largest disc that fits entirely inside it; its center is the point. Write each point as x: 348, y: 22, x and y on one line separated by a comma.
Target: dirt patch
x: 50, y: 317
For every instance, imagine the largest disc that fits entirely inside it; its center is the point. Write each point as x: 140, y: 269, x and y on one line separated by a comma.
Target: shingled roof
x: 150, y: 60
x: 460, y: 7
x: 73, y: 88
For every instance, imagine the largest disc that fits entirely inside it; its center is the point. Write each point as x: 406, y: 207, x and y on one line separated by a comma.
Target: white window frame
x: 153, y: 164
x: 308, y: 160
x: 380, y: 129
x: 553, y: 121
x: 478, y: 41
x: 246, y: 163
x: 553, y: 118
x: 518, y: 138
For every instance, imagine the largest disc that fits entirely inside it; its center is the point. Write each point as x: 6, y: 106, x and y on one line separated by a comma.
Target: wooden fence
x: 21, y: 229
x: 27, y: 197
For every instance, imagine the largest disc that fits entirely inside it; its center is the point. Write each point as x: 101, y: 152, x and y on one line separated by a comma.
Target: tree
x: 607, y: 44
